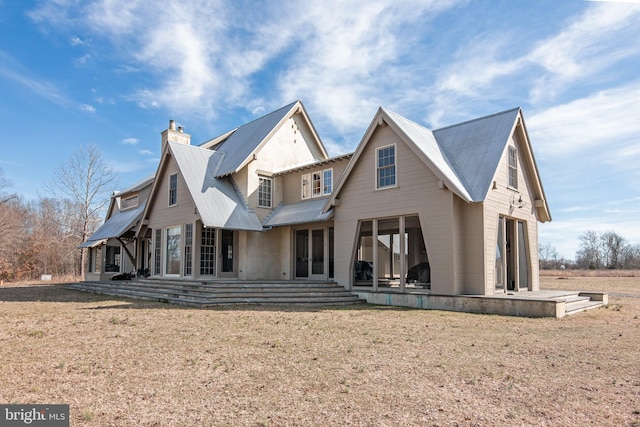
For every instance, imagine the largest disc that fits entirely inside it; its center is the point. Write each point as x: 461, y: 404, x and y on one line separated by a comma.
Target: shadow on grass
x: 58, y: 293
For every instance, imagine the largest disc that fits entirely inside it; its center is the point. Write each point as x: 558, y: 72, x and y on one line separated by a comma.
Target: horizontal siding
x: 499, y: 202
x: 417, y: 192
x: 161, y: 214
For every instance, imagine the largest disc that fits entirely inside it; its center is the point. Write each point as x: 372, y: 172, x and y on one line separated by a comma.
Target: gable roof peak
x: 466, y: 122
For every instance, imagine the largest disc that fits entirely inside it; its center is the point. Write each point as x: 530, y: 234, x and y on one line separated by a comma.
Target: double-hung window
x: 386, y: 167
x: 173, y: 189
x: 316, y: 184
x: 513, y: 167
x: 327, y: 188
x: 265, y: 188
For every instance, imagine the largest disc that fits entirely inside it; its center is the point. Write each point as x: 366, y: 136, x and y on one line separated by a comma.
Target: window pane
x: 174, y: 237
x: 317, y: 188
x: 328, y: 182
x: 173, y: 189
x: 264, y: 193
x: 208, y: 252
x: 386, y: 174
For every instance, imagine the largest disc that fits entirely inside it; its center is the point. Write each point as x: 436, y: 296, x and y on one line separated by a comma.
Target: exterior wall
x: 261, y: 255
x: 163, y: 215
x: 291, y: 182
x: 417, y: 192
x: 501, y: 200
x: 292, y: 145
x: 470, y: 266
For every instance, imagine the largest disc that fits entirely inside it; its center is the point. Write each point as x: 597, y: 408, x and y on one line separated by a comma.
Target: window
x: 328, y: 181
x: 306, y: 186
x: 513, y: 168
x: 386, y: 167
x: 129, y: 202
x: 208, y: 252
x: 157, y: 249
x: 264, y: 192
x: 188, y: 249
x: 112, y: 262
x: 173, y: 189
x: 174, y: 237
x: 316, y: 184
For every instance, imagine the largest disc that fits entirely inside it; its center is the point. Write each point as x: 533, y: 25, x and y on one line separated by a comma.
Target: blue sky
x: 113, y: 72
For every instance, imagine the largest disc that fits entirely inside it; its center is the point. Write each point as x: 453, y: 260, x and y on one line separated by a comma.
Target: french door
x: 310, y: 259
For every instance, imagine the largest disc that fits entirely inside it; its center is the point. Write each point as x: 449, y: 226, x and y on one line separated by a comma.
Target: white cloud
x: 146, y: 153
x: 77, y: 41
x: 88, y: 108
x: 609, y: 116
x: 130, y: 141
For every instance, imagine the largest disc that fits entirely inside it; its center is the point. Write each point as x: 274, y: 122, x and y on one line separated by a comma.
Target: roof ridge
x: 477, y: 119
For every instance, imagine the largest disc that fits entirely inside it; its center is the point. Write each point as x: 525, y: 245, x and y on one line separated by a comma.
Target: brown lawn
x: 120, y: 362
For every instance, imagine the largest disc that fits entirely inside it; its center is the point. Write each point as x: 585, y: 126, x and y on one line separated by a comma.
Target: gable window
x: 327, y: 188
x: 513, y: 168
x: 265, y: 187
x: 306, y: 186
x: 386, y: 167
x: 173, y: 189
x: 316, y: 184
x: 129, y: 202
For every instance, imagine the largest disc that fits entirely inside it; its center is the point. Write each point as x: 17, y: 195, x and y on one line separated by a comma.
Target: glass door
x: 227, y: 253
x: 310, y: 254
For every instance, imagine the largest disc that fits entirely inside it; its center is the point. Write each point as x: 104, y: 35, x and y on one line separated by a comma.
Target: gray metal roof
x: 427, y: 143
x: 474, y: 149
x: 239, y: 146
x: 465, y: 155
x: 117, y: 224
x: 298, y: 213
x: 216, y: 199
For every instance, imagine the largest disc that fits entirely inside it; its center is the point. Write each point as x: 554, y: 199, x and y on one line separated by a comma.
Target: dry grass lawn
x: 121, y: 362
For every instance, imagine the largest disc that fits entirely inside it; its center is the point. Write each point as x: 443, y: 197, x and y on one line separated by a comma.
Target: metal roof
x: 119, y: 223
x: 298, y: 213
x: 474, y: 149
x: 434, y: 156
x: 239, y: 146
x: 216, y: 199
x: 465, y: 155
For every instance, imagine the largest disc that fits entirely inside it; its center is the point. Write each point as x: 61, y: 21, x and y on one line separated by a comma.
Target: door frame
x: 309, y: 252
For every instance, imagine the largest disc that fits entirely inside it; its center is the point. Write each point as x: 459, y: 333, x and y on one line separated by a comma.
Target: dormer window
x: 129, y: 202
x: 173, y: 189
x: 513, y: 167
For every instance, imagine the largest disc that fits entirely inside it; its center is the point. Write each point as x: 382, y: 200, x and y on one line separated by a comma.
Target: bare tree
x: 4, y: 184
x: 613, y: 248
x: 85, y: 181
x: 548, y: 256
x: 590, y: 255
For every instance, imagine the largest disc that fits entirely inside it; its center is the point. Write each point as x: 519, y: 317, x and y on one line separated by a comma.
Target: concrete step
x: 213, y: 294
x: 579, y: 303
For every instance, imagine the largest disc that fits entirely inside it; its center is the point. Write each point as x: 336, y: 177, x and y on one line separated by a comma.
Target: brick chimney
x: 174, y: 135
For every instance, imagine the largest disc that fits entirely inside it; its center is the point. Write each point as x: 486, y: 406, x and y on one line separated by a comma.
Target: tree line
x: 598, y: 250
x: 42, y: 236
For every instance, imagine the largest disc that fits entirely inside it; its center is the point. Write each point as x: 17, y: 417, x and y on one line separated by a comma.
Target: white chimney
x: 175, y: 136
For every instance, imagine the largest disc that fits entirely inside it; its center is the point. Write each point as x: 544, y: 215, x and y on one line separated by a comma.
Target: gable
x: 242, y: 144
x: 465, y: 157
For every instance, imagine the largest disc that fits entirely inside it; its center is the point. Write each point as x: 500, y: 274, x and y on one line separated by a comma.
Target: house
x: 413, y: 213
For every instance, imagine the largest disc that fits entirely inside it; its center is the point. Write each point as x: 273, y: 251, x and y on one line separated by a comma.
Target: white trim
x: 306, y: 176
